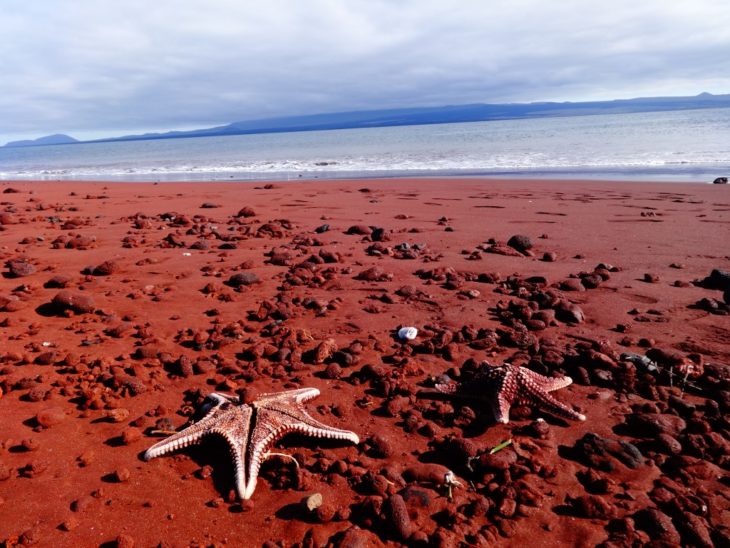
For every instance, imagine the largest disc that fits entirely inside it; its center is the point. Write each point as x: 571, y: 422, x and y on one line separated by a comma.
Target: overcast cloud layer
x: 95, y: 68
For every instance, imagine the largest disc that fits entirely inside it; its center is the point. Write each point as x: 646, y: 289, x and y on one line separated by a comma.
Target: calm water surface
x: 681, y: 146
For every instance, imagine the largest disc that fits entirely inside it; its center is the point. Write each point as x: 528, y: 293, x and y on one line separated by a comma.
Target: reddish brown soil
x: 148, y: 326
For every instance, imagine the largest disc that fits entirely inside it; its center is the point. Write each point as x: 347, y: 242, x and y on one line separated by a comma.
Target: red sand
x: 80, y: 391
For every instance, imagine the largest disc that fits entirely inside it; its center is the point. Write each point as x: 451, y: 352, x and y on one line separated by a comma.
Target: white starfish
x: 506, y: 385
x: 251, y: 430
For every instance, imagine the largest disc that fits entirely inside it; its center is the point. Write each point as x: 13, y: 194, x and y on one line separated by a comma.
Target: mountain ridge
x: 55, y: 139
x: 474, y: 112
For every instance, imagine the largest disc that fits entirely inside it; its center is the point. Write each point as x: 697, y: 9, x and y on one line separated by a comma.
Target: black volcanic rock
x: 520, y: 242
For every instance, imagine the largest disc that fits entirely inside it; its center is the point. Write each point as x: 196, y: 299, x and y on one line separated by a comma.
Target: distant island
x: 55, y: 139
x: 418, y: 116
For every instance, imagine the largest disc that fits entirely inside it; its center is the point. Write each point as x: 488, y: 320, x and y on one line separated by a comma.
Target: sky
x: 99, y: 68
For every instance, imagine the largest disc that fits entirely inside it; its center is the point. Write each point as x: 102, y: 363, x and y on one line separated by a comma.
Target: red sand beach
x: 121, y: 309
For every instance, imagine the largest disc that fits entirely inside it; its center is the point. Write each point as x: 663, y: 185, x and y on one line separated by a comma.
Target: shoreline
x: 439, y: 179
x: 698, y: 176
x: 151, y: 316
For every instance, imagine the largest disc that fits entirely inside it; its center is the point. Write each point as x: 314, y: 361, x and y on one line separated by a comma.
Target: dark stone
x: 354, y: 537
x: 591, y: 281
x: 106, y: 268
x: 658, y: 525
x: 76, y: 302
x: 360, y: 230
x: 650, y: 425
x: 720, y: 181
x: 416, y: 497
x: 381, y: 447
x: 243, y: 278
x: 520, y: 242
x: 569, y: 312
x: 373, y: 274
x: 668, y: 445
x: 718, y: 279
x: 57, y: 282
x: 593, y: 507
x: 379, y: 235
x: 246, y: 212
x: 572, y: 284
x: 19, y: 268
x: 601, y: 453
x: 396, y: 518
x: 695, y: 530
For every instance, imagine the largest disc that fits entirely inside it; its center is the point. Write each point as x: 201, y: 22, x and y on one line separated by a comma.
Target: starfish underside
x: 251, y: 430
x: 507, y: 385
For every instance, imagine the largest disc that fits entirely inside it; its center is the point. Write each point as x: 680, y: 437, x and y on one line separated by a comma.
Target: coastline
x: 78, y: 411
x: 698, y: 175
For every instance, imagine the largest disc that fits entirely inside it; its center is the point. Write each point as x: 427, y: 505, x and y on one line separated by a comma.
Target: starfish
x: 507, y: 385
x: 251, y: 430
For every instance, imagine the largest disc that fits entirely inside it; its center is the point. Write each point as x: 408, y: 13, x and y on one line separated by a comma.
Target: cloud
x: 108, y: 67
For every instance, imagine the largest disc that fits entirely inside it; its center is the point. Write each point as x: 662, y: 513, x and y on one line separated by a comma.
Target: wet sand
x: 118, y: 314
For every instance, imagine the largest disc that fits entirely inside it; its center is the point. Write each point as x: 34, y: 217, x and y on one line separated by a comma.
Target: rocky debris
x: 720, y: 181
x: 650, y: 425
x: 396, y: 518
x: 169, y: 329
x: 572, y: 284
x: 325, y: 350
x: 569, y: 312
x: 243, y: 279
x: 57, y: 282
x: 592, y: 507
x: 19, y: 268
x: 658, y: 525
x: 603, y: 453
x: 718, y: 279
x: 502, y: 249
x: 77, y: 241
x: 374, y: 274
x: 359, y: 230
x: 521, y: 243
x: 78, y: 303
x: 107, y: 268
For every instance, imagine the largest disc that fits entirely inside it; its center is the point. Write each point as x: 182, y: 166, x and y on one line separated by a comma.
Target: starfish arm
x: 235, y: 431
x: 500, y: 408
x: 290, y: 397
x: 542, y: 399
x: 278, y: 415
x: 193, y: 433
x: 503, y: 384
x: 286, y: 409
x: 450, y: 388
x: 189, y: 436
x: 548, y: 384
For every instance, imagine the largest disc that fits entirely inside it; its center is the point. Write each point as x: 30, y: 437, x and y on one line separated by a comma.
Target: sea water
x: 689, y: 145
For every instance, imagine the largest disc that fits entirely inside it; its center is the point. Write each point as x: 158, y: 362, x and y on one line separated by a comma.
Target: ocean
x: 686, y: 146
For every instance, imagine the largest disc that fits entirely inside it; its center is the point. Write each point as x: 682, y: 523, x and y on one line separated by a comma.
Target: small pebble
x: 312, y: 502
x: 131, y: 435
x: 121, y: 475
x: 70, y: 524
x: 124, y: 541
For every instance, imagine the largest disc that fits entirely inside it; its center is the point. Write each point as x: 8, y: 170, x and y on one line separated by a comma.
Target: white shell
x: 407, y: 333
